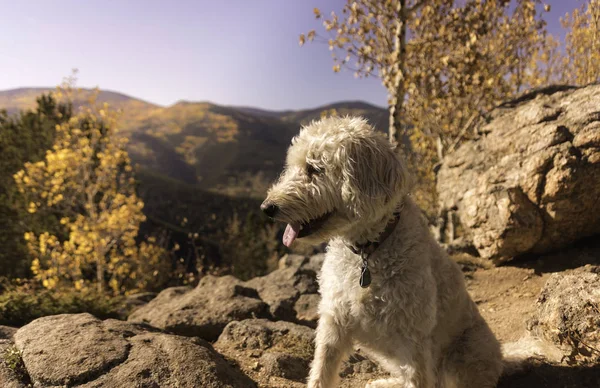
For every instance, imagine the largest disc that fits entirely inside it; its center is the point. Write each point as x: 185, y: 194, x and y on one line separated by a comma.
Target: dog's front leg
x: 332, y: 344
x: 420, y: 372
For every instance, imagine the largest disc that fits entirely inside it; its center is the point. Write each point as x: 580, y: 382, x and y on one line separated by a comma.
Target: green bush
x: 249, y: 248
x: 11, y: 358
x: 24, y: 137
x: 21, y: 304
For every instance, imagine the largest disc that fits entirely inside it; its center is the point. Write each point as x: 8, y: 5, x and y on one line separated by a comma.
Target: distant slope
x: 261, y: 112
x: 14, y: 100
x: 221, y: 145
x: 167, y: 201
x: 233, y: 150
x: 377, y: 116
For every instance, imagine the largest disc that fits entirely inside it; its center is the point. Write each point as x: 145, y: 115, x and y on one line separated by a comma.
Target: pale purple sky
x: 232, y: 52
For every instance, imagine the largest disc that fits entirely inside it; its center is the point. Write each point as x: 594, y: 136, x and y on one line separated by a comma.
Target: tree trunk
x: 396, y: 83
x: 594, y: 8
x: 100, y: 272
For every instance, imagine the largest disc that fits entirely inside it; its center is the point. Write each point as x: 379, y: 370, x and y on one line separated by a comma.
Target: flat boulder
x: 529, y: 181
x: 204, y: 310
x: 57, y: 349
x: 78, y: 349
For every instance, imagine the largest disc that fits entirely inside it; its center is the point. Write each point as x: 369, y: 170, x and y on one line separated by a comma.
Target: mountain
x: 15, y: 100
x: 225, y: 149
x: 211, y: 145
x: 377, y: 116
x: 205, y: 165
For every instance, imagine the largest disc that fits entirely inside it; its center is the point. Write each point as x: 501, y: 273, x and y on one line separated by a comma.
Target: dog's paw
x: 386, y: 383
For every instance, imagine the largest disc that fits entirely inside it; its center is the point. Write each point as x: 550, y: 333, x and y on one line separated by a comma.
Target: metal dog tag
x: 365, y: 276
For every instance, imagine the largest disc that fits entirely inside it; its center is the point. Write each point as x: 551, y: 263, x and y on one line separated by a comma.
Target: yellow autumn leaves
x: 446, y: 64
x: 582, y: 62
x: 87, y: 178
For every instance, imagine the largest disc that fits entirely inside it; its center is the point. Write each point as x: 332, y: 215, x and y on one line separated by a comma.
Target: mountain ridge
x: 250, y: 109
x: 228, y: 149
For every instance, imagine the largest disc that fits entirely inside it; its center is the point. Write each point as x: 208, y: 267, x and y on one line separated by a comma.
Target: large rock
x: 568, y: 314
x: 281, y: 289
x: 67, y: 350
x: 275, y: 354
x: 203, y: 311
x: 278, y: 354
x: 529, y: 183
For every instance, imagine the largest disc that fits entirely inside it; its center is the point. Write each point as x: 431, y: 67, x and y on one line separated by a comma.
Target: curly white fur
x: 416, y: 318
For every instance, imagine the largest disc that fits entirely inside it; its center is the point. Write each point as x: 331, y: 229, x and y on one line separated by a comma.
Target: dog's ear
x: 373, y: 173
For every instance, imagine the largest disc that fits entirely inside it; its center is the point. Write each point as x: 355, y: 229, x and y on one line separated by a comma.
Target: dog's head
x: 339, y: 173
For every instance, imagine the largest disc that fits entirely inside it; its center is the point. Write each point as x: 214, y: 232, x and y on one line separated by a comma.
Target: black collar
x: 367, y: 249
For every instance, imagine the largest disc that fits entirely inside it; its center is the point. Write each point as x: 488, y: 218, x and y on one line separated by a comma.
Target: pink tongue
x: 290, y: 234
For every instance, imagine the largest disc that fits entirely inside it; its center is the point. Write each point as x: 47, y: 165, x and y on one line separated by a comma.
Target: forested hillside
x: 232, y: 150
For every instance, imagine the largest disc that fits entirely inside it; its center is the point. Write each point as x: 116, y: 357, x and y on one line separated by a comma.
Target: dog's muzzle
x: 269, y: 209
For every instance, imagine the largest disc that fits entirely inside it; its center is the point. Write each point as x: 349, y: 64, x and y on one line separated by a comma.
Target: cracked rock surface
x: 57, y: 351
x: 80, y: 350
x: 295, y: 279
x: 278, y: 354
x: 568, y: 314
x: 203, y: 311
x: 529, y: 183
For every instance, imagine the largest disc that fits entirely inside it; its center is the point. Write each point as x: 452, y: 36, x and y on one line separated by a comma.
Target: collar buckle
x: 368, y: 248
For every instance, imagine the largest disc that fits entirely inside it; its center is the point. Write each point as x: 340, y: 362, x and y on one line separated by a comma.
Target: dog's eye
x: 311, y: 170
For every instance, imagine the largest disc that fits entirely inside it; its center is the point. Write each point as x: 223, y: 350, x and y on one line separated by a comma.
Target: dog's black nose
x: 269, y: 209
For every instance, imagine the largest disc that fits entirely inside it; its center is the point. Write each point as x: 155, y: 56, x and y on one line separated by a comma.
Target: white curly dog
x: 386, y: 285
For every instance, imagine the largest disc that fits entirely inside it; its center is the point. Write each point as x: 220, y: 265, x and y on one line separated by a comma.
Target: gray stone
x: 272, y: 353
x: 529, y: 183
x: 278, y: 354
x: 568, y: 314
x: 285, y: 365
x: 67, y: 350
x: 203, y: 311
x: 263, y: 335
x: 163, y: 360
x: 281, y: 288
